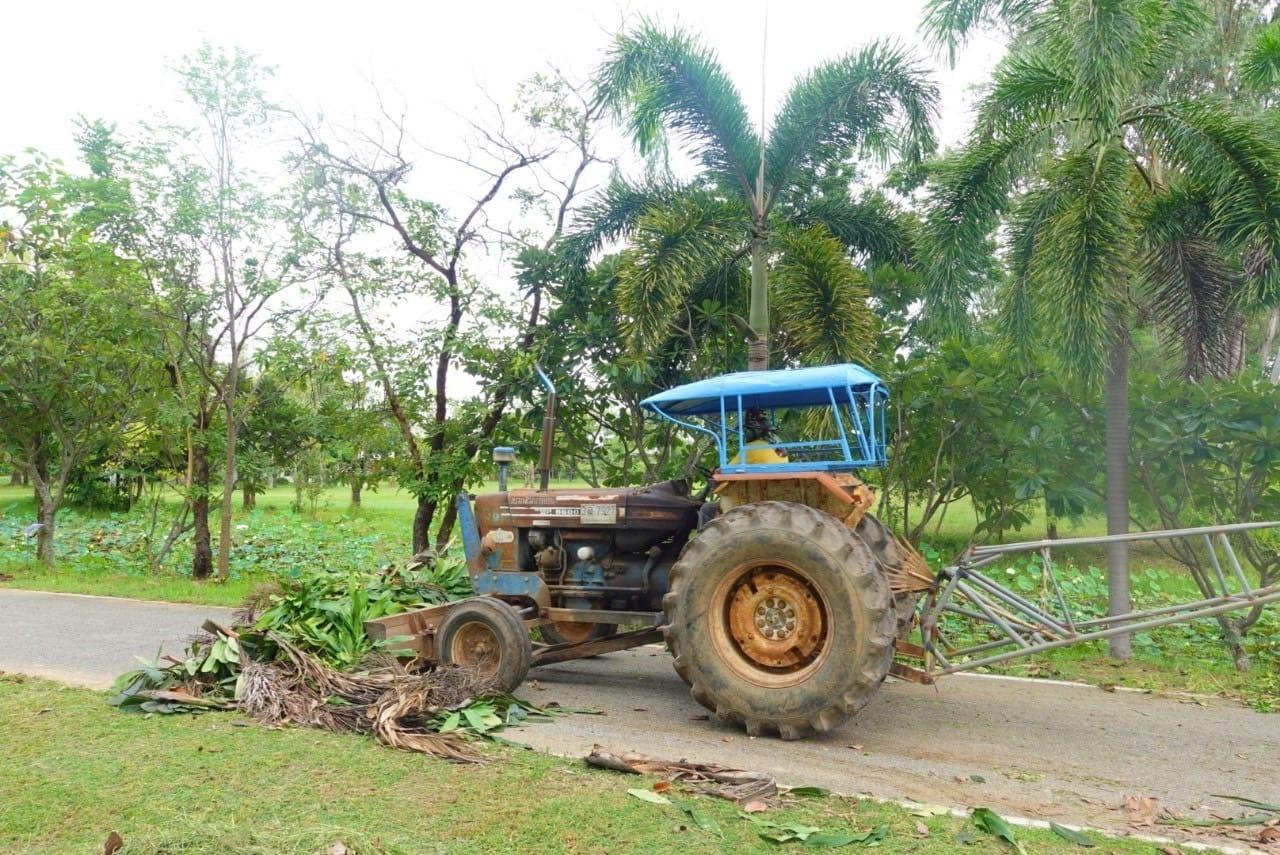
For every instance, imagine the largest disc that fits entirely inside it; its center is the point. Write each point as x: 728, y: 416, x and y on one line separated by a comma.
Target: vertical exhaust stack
x: 548, y: 431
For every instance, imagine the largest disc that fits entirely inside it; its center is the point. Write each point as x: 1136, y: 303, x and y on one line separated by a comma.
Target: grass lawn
x: 76, y: 770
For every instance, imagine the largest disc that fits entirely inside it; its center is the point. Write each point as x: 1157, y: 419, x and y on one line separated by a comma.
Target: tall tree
x: 783, y: 199
x: 1118, y: 200
x: 79, y: 355
x: 361, y: 190
x: 206, y: 221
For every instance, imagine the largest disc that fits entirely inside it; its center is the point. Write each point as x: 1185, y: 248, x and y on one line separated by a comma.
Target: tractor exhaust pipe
x: 548, y: 431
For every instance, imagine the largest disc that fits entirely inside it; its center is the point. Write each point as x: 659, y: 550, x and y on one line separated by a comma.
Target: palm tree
x: 1114, y: 201
x: 786, y: 201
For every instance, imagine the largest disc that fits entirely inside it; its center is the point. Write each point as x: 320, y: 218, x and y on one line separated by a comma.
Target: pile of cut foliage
x: 297, y: 653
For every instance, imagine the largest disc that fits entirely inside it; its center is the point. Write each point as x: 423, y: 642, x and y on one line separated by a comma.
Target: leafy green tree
x: 209, y: 226
x: 782, y: 201
x: 79, y: 355
x: 1204, y: 453
x: 360, y: 191
x: 1117, y: 202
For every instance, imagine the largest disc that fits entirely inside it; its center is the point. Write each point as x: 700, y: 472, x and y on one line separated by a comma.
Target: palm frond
x: 879, y: 100
x: 1019, y: 309
x: 1260, y: 66
x: 1106, y: 42
x: 820, y: 299
x: 948, y: 23
x: 1080, y: 266
x: 969, y: 192
x: 1190, y: 287
x: 1027, y: 89
x: 672, y: 247
x: 870, y: 227
x: 658, y: 80
x: 612, y: 213
x: 1233, y: 157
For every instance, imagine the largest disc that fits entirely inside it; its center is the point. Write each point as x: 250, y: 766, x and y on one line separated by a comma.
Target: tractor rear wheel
x: 780, y: 619
x: 487, y: 637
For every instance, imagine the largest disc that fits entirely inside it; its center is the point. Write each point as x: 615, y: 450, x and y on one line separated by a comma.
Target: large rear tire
x: 890, y: 554
x: 780, y: 619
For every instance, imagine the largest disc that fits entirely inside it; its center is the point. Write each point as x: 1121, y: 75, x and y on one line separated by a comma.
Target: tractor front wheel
x: 487, y: 637
x: 779, y: 619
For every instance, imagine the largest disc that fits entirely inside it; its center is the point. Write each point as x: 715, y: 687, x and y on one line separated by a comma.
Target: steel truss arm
x: 1027, y: 629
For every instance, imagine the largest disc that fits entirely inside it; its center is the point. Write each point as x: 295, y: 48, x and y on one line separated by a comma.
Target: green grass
x: 75, y: 770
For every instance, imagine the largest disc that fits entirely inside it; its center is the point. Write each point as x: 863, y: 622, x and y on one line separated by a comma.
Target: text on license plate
x: 598, y: 514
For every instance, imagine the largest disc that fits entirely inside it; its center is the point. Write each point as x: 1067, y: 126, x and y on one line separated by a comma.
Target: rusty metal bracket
x: 584, y: 649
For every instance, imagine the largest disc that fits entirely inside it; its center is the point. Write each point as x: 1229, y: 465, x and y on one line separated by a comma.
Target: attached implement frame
x: 1023, y: 628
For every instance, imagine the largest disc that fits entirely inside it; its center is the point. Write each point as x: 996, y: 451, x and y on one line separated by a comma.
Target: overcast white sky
x: 60, y: 58
x: 63, y: 58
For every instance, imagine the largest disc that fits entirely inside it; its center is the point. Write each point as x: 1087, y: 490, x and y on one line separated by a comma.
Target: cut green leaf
x: 649, y: 796
x: 1079, y: 838
x: 992, y: 823
x: 700, y: 819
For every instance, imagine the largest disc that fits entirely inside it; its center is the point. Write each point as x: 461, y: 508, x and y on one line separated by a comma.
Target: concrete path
x: 86, y: 640
x: 1032, y: 748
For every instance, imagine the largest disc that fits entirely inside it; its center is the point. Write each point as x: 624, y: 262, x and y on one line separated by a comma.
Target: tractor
x: 783, y: 601
x: 779, y: 595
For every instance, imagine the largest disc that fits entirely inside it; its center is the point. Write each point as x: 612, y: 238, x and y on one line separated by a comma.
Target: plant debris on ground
x: 298, y: 655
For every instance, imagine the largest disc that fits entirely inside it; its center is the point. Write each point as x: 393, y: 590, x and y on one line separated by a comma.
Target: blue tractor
x: 778, y: 593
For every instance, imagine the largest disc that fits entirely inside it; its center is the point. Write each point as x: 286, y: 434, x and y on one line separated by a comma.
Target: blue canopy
x: 766, y: 390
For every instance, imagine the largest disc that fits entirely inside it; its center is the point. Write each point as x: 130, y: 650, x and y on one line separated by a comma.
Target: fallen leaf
x: 114, y: 843
x: 649, y: 796
x: 1141, y: 809
x: 700, y: 819
x: 832, y: 839
x: 755, y: 806
x: 992, y: 823
x: 43, y: 711
x: 661, y: 786
x: 977, y: 779
x: 856, y: 747
x: 1079, y: 838
x: 930, y: 810
x: 808, y: 792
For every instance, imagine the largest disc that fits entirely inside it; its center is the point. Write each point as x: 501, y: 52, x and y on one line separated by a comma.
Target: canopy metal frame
x: 861, y: 439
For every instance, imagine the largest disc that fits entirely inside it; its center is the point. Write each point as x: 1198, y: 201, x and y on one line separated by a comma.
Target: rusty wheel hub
x: 777, y: 622
x: 475, y: 646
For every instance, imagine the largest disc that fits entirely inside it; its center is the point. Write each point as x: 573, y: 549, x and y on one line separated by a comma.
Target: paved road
x: 86, y: 640
x: 1041, y: 750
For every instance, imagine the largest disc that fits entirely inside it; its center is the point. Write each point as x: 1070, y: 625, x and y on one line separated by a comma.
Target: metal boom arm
x: 1024, y: 628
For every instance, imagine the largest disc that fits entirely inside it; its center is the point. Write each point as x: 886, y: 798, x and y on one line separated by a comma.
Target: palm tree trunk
x: 758, y: 318
x: 1117, y: 458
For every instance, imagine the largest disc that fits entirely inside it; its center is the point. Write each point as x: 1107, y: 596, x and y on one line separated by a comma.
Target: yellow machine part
x: 759, y: 451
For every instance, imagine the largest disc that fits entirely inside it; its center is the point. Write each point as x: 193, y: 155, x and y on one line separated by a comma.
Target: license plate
x: 598, y: 514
